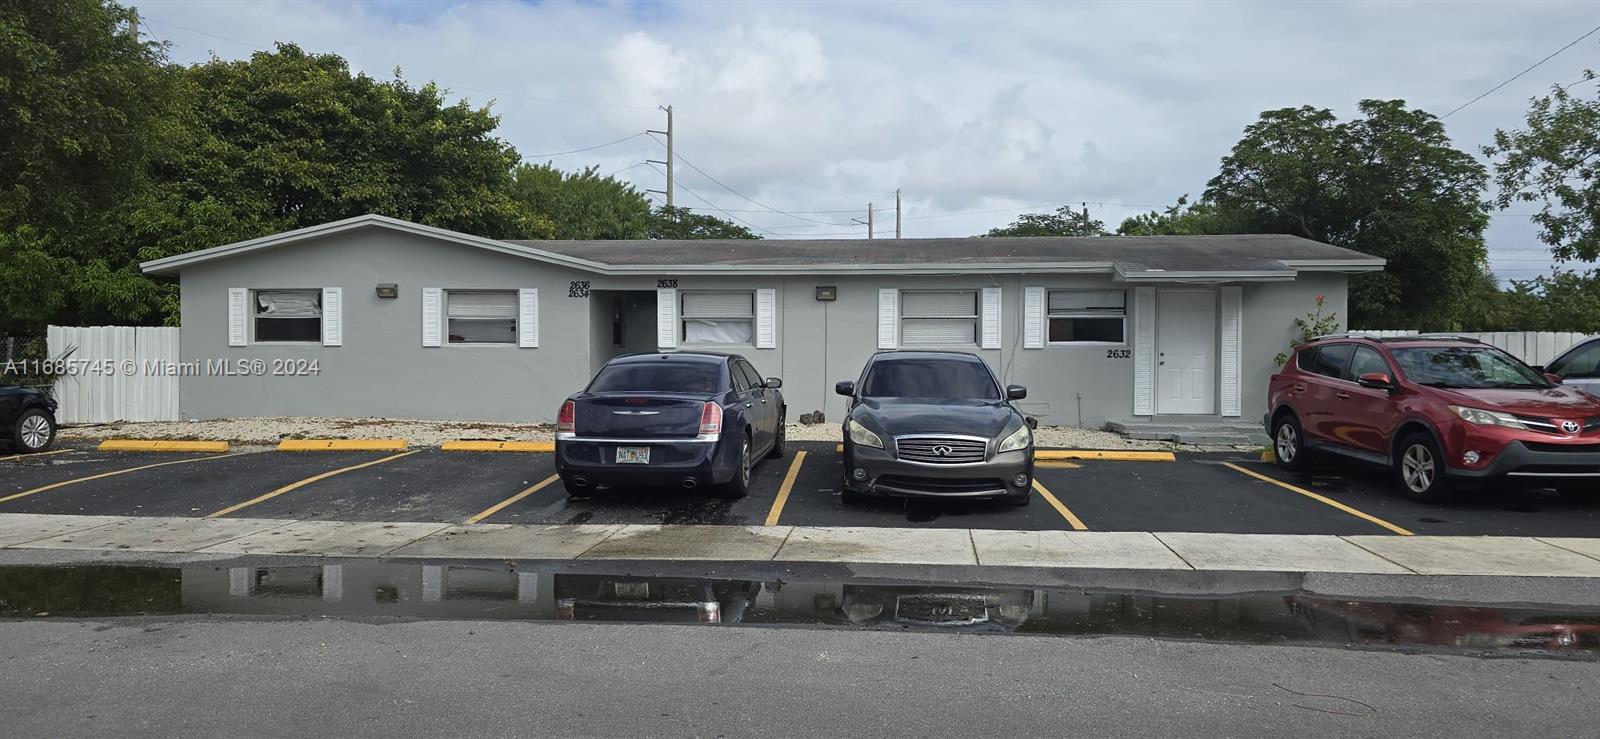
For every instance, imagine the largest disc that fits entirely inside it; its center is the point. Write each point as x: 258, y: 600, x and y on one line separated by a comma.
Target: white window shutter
x: 888, y: 317
x: 238, y: 298
x: 766, y: 318
x: 333, y: 316
x: 1033, y: 318
x: 1144, y: 351
x: 989, y: 336
x: 432, y: 307
x: 1232, y: 338
x: 528, y: 318
x: 666, y: 318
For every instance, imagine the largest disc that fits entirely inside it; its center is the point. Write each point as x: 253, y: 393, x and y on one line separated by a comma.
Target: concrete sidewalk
x: 1557, y: 571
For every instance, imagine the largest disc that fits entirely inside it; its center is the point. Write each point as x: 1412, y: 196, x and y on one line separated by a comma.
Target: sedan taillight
x: 566, y: 417
x: 710, y: 419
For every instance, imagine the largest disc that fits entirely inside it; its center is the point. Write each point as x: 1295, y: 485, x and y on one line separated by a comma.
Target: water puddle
x: 375, y: 591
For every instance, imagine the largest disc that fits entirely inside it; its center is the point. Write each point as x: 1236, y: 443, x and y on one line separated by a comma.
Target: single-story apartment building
x: 374, y: 316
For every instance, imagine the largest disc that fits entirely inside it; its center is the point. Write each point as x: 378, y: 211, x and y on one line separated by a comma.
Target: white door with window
x: 1186, y: 338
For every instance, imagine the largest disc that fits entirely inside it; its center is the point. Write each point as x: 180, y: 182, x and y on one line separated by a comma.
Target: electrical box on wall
x: 827, y: 292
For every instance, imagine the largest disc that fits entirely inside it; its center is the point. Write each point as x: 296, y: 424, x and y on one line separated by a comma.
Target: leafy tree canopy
x: 581, y: 205
x: 682, y: 223
x: 1387, y: 183
x: 1555, y: 161
x: 1064, y: 222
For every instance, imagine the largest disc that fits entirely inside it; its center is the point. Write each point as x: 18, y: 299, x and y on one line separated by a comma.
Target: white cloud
x: 965, y: 106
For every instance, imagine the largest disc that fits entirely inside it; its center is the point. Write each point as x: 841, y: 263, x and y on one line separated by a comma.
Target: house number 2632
x: 1118, y: 353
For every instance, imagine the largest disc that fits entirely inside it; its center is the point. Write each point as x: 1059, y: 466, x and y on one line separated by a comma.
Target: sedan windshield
x: 930, y: 378
x: 677, y: 378
x: 1466, y: 367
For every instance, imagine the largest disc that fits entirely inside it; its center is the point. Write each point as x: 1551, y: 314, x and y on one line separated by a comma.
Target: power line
x: 1523, y: 72
x: 146, y: 18
x: 586, y: 148
x: 753, y: 201
x: 713, y: 206
x: 624, y: 169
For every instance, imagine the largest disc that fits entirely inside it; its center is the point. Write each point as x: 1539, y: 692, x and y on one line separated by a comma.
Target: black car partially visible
x: 681, y: 419
x: 27, y: 418
x: 934, y: 424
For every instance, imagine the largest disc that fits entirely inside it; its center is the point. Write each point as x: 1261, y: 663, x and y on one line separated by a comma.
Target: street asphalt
x: 203, y: 677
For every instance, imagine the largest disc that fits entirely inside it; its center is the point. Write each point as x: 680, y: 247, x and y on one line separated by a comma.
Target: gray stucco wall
x: 383, y: 370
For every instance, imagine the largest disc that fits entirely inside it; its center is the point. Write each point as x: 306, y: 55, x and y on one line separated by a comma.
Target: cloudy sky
x: 976, y: 111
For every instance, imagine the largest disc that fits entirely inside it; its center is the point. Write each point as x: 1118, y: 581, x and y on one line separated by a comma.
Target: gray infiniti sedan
x: 937, y: 425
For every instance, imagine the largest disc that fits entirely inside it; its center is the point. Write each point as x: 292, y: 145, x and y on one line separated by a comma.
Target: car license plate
x: 631, y: 589
x: 633, y: 455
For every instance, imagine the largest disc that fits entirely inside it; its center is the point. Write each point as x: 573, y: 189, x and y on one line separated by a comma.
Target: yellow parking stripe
x: 783, y: 490
x: 113, y: 473
x: 1321, y: 499
x: 464, y: 445
x: 1047, y: 464
x: 161, y: 445
x: 342, y: 445
x: 1073, y: 520
x: 1108, y: 455
x: 491, y: 510
x: 35, y: 454
x: 297, y: 485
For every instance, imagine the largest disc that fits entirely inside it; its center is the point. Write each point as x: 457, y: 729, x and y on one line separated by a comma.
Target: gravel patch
x: 433, y: 433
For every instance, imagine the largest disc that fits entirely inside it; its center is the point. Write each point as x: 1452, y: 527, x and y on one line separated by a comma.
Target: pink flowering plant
x: 1312, y: 325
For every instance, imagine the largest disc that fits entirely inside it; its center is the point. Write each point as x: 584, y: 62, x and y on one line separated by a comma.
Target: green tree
x: 1387, y: 183
x: 84, y: 108
x: 1555, y: 161
x: 581, y: 205
x: 682, y: 223
x: 1064, y: 222
x: 1183, y: 219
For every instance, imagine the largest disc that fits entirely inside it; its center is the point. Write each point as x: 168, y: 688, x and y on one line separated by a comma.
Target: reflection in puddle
x: 376, y: 590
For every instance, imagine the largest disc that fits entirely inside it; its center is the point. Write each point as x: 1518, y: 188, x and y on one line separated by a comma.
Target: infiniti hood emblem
x: 942, y: 450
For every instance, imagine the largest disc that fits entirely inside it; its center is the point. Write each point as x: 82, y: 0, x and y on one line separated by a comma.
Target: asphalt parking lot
x: 1228, y: 493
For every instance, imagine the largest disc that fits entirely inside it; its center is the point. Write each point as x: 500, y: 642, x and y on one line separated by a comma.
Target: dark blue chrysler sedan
x: 685, y: 419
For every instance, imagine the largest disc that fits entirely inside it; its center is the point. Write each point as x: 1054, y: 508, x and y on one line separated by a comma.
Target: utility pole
x: 133, y: 23
x: 671, y: 191
x: 1085, y: 218
x: 869, y: 220
x: 897, y: 212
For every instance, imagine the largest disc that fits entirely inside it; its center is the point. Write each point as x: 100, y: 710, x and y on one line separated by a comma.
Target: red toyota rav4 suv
x: 1438, y: 409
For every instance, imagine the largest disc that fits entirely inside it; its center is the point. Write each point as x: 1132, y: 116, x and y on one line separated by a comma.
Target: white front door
x: 1186, y: 338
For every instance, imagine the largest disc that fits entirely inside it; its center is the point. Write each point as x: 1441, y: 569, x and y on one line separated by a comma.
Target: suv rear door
x: 1322, y: 368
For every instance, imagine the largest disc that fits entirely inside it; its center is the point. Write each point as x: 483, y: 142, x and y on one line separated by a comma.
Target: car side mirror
x: 1376, y: 381
x: 1016, y: 392
x: 1553, y: 377
x: 846, y: 388
x: 774, y: 383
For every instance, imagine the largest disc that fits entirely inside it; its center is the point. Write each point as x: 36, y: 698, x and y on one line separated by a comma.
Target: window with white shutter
x: 766, y: 318
x: 938, y: 317
x: 888, y: 317
x: 666, y: 318
x: 528, y: 318
x: 989, y: 332
x: 481, y: 316
x: 1087, y: 317
x: 288, y: 316
x: 238, y: 299
x: 1033, y: 318
x: 717, y: 318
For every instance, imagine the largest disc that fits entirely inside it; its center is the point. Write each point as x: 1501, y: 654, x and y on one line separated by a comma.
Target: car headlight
x: 1022, y: 438
x: 1480, y: 417
x: 860, y: 435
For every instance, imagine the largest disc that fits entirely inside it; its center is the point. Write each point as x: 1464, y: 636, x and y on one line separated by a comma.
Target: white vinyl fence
x: 1534, y: 347
x: 112, y: 373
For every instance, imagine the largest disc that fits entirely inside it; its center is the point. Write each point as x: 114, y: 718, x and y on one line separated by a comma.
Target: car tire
x: 778, y: 441
x: 1419, y: 468
x: 739, y: 486
x: 1289, y: 444
x: 34, y: 431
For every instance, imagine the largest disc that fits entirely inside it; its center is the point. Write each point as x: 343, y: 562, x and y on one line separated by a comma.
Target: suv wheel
x: 1420, y: 468
x: 1288, y: 444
